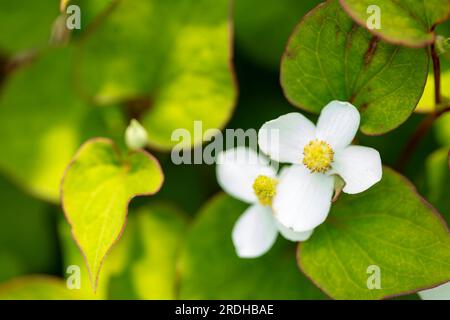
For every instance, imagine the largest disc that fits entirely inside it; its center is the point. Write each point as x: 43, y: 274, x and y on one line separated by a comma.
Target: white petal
x: 303, y: 199
x: 284, y: 138
x: 441, y: 292
x: 292, y: 235
x: 338, y: 124
x: 255, y: 232
x: 237, y: 170
x: 360, y: 167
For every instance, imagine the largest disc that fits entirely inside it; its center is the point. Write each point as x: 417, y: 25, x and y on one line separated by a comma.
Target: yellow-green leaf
x: 96, y: 190
x: 43, y: 122
x: 174, y: 57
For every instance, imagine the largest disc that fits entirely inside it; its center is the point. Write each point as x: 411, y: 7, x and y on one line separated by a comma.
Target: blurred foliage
x: 26, y: 25
x: 438, y: 173
x: 426, y: 103
x: 171, y: 60
x: 226, y: 276
x: 142, y: 265
x: 262, y: 31
x: 37, y: 288
x: 43, y: 122
x: 27, y: 235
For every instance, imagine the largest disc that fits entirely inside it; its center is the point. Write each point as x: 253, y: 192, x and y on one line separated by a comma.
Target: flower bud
x: 135, y: 136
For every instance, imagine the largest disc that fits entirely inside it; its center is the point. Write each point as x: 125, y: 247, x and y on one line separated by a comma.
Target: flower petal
x: 255, y: 232
x: 338, y: 124
x: 292, y: 235
x: 283, y: 139
x: 441, y: 292
x: 238, y: 168
x: 360, y: 167
x: 303, y: 199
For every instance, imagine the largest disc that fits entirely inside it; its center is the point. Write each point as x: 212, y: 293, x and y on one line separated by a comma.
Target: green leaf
x: 262, y: 35
x: 154, y: 235
x: 210, y: 268
x: 37, y: 288
x: 172, y: 58
x: 438, y: 178
x: 42, y: 123
x: 72, y: 256
x: 26, y: 25
x: 406, y: 22
x: 26, y: 235
x: 330, y: 58
x: 389, y: 226
x: 96, y: 191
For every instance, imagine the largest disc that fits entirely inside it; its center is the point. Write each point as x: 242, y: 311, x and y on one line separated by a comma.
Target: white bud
x: 135, y: 136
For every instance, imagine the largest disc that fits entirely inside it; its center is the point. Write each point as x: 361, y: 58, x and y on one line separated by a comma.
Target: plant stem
x: 427, y: 123
x: 437, y: 76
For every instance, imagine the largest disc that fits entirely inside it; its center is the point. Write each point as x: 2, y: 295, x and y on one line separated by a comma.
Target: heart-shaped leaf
x: 43, y: 122
x: 387, y: 234
x: 170, y: 62
x: 96, y: 191
x: 329, y: 58
x: 406, y: 22
x: 210, y: 268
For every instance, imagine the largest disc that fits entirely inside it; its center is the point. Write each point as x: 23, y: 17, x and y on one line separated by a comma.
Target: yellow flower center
x: 318, y: 156
x: 265, y: 189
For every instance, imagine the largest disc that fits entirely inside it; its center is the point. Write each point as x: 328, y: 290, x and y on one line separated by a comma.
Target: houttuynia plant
x: 131, y: 169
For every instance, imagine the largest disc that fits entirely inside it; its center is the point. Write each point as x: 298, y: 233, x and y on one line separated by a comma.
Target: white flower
x: 245, y: 175
x: 305, y: 190
x: 441, y: 292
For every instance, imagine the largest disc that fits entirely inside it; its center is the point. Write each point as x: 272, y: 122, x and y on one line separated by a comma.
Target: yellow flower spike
x: 265, y: 189
x: 318, y: 156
